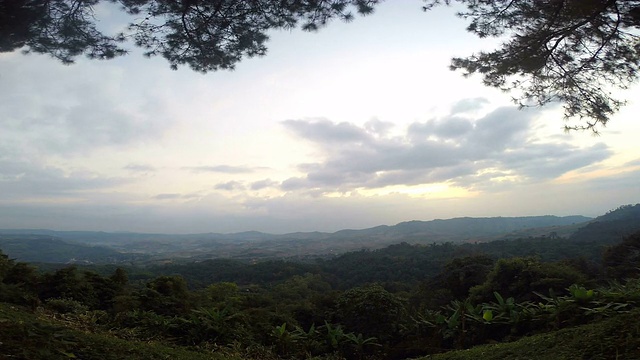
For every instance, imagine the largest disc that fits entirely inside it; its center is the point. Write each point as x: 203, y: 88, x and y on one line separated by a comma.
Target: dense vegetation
x: 524, y: 296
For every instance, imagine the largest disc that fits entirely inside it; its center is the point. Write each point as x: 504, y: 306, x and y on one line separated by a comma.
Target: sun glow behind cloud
x: 424, y: 191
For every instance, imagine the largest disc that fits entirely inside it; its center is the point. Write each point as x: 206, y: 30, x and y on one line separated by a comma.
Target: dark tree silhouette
x: 622, y: 261
x: 570, y: 51
x: 63, y: 29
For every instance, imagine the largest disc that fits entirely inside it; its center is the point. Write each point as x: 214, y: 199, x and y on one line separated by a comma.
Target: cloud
x: 505, y: 127
x: 117, y: 212
x: 632, y: 163
x: 378, y: 127
x: 625, y: 181
x: 467, y: 105
x: 21, y: 180
x: 548, y: 161
x: 296, y: 211
x: 454, y: 150
x: 140, y: 168
x: 225, y: 169
x: 167, y: 196
x: 451, y: 127
x: 73, y: 112
x: 229, y: 186
x: 327, y: 132
x: 263, y: 184
x: 176, y: 196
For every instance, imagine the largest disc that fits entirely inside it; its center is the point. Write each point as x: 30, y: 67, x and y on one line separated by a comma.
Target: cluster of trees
x: 398, y: 267
x: 471, y: 300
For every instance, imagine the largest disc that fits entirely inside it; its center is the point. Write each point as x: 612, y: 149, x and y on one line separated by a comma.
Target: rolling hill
x: 39, y: 245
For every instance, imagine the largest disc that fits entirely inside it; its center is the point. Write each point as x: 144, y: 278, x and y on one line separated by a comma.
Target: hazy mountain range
x: 38, y: 245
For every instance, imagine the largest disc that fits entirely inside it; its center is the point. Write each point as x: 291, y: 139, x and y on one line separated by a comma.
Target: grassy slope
x: 614, y: 338
x: 23, y: 335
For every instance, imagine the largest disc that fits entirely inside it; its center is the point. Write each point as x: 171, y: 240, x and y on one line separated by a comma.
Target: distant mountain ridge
x: 458, y: 227
x: 122, y: 247
x: 466, y: 228
x: 51, y: 249
x: 250, y: 244
x: 611, y: 227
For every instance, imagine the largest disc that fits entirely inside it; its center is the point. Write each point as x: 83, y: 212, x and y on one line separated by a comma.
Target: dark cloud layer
x: 454, y: 149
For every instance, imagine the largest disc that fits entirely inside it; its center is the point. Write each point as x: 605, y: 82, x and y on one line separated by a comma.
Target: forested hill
x: 254, y: 244
x: 49, y: 249
x: 611, y: 227
x: 468, y: 228
x: 395, y: 303
x: 456, y: 229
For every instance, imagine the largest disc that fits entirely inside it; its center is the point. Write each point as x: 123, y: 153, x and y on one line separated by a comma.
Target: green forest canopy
x: 472, y: 300
x: 568, y: 51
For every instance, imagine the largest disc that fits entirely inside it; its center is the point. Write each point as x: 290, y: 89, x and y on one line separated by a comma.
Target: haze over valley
x: 124, y: 247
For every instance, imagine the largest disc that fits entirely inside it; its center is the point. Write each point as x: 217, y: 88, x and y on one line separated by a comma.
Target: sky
x: 354, y: 126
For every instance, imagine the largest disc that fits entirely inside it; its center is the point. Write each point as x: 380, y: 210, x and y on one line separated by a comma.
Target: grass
x: 28, y: 335
x: 24, y: 335
x: 616, y: 338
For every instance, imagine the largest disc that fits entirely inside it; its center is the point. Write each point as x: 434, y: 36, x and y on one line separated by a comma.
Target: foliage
x: 64, y: 306
x: 615, y: 338
x: 520, y: 277
x: 360, y: 344
x: 623, y: 260
x: 622, y: 212
x: 461, y: 274
x: 399, y: 267
x: 567, y: 51
x: 44, y: 248
x: 24, y: 335
x: 167, y: 295
x: 206, y: 35
x: 372, y: 311
x: 18, y: 282
x: 572, y: 52
x: 221, y: 326
x: 304, y: 316
x: 610, y: 228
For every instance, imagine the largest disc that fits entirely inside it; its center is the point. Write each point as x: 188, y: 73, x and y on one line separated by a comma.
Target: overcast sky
x: 358, y: 125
